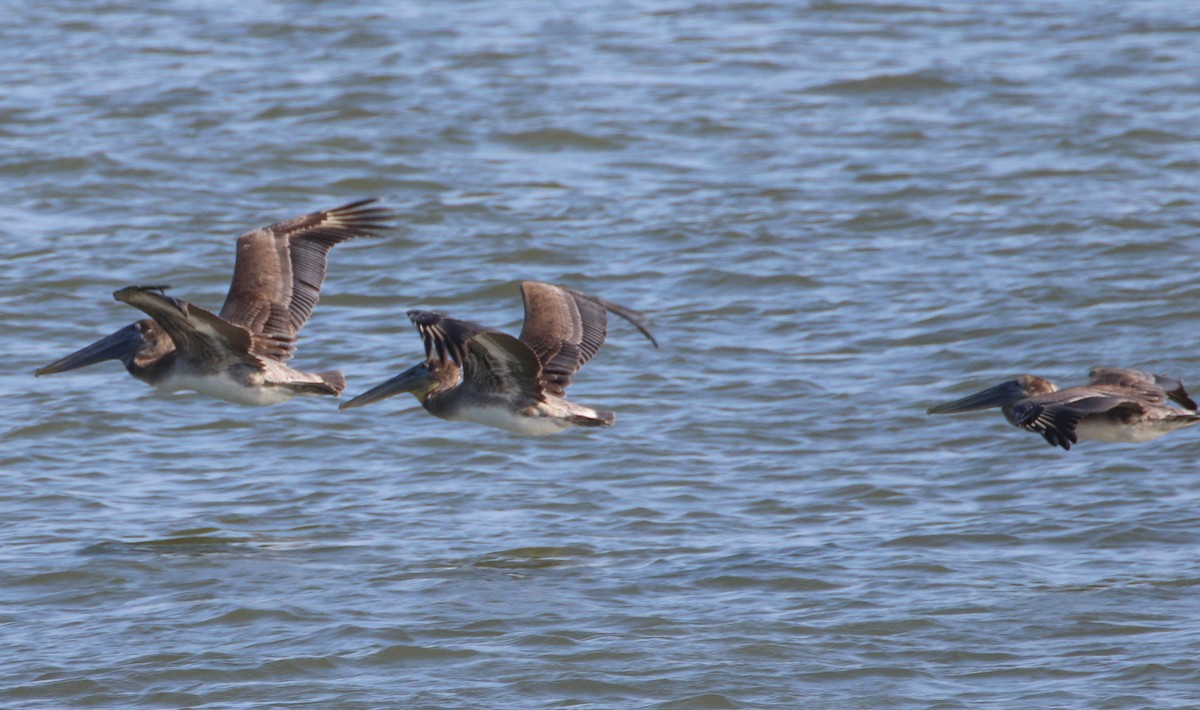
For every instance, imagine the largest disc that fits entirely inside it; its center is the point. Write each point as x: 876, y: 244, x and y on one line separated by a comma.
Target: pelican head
x: 420, y: 380
x: 137, y: 346
x: 1005, y: 394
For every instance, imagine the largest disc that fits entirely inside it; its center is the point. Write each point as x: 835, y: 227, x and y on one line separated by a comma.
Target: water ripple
x: 834, y: 214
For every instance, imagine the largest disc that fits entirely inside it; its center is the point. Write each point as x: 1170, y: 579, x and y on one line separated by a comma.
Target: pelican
x: 239, y: 355
x: 1116, y: 404
x: 476, y: 374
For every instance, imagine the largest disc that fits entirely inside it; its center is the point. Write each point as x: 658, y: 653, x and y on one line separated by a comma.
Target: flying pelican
x: 239, y: 355
x: 476, y: 374
x: 1116, y: 404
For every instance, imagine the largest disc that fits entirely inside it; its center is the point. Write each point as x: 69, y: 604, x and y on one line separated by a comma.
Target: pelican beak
x: 120, y: 345
x: 999, y: 396
x: 416, y: 379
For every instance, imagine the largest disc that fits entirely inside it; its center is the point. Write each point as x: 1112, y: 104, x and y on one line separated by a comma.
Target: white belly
x: 508, y: 420
x: 1104, y: 431
x: 222, y: 386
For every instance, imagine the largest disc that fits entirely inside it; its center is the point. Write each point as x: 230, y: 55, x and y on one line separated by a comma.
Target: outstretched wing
x: 199, y: 335
x: 1057, y: 421
x: 1145, y: 385
x: 279, y: 269
x: 499, y: 364
x: 493, y: 363
x: 445, y: 338
x: 565, y: 328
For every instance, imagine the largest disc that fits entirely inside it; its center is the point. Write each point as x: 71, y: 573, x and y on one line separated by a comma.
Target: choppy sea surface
x: 834, y: 214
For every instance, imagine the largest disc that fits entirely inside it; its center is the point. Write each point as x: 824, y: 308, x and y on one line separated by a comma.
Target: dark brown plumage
x: 474, y: 373
x: 279, y: 271
x: 1116, y: 404
x: 565, y: 328
x: 239, y: 355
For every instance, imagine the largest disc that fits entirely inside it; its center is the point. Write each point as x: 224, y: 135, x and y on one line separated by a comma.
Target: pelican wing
x: 1056, y: 416
x: 198, y: 334
x: 445, y: 338
x: 499, y: 364
x: 492, y: 363
x: 1144, y: 385
x: 565, y: 328
x: 279, y: 269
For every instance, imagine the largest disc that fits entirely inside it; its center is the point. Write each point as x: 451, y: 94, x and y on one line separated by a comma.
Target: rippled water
x: 834, y: 213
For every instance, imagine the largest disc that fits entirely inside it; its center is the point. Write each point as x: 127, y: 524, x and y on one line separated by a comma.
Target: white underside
x: 222, y: 386
x: 1142, y: 431
x: 508, y: 420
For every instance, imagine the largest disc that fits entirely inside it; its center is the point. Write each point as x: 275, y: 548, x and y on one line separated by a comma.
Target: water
x: 834, y: 213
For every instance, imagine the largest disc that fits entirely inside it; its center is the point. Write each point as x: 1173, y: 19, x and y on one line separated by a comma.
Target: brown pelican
x: 1115, y: 405
x: 476, y: 374
x: 239, y: 355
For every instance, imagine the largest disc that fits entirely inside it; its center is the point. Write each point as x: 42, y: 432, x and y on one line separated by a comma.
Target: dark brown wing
x: 199, y: 335
x: 1145, y: 385
x: 565, y: 328
x: 445, y: 338
x: 279, y: 269
x: 493, y: 363
x: 1056, y: 416
x: 499, y: 364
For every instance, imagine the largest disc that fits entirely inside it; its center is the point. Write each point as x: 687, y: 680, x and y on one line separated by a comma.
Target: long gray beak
x: 997, y: 396
x: 121, y: 344
x: 417, y: 377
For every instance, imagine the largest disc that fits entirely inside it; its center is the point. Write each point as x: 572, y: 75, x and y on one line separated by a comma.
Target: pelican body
x: 1116, y: 404
x: 476, y: 374
x: 239, y: 355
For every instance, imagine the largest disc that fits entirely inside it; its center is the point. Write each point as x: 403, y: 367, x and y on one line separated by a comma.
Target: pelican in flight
x: 241, y: 354
x: 477, y: 374
x: 1115, y: 405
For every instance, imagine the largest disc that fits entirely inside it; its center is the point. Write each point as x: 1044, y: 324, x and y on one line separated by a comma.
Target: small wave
x: 952, y: 540
x: 879, y: 8
x: 71, y: 578
x: 243, y: 616
x: 1150, y: 135
x: 531, y: 557
x: 705, y: 701
x: 55, y: 166
x: 406, y: 652
x: 886, y: 218
x: 558, y: 139
x: 730, y: 582
x: 916, y: 82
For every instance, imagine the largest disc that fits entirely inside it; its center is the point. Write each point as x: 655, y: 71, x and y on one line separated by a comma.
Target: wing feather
x: 199, y: 335
x: 1056, y: 424
x: 1151, y: 387
x: 492, y: 362
x: 565, y: 328
x: 279, y: 269
x: 499, y: 364
x: 445, y: 338
x: 1057, y: 415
